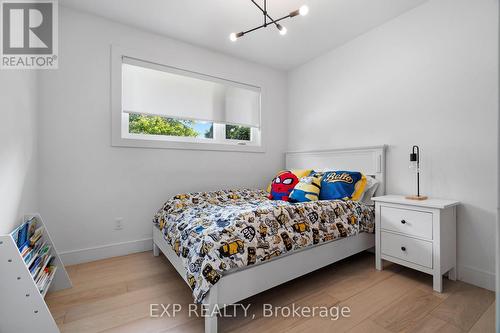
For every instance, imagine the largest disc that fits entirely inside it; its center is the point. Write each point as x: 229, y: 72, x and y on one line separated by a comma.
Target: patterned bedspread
x: 215, y: 232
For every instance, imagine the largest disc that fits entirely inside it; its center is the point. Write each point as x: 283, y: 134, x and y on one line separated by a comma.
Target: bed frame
x: 241, y: 284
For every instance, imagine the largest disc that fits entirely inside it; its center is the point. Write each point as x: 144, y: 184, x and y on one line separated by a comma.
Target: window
x: 234, y: 132
x: 163, y: 107
x: 156, y: 125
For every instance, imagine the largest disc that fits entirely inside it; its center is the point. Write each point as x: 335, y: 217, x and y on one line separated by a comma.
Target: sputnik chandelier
x: 268, y: 20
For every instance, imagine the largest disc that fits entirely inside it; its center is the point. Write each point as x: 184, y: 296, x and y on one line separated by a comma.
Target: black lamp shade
x: 413, y: 157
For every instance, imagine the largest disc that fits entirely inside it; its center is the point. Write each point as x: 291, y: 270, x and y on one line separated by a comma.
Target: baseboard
x: 477, y: 277
x: 105, y: 251
x: 467, y: 274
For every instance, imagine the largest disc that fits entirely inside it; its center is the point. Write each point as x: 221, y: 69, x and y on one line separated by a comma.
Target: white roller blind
x: 242, y: 107
x: 160, y: 90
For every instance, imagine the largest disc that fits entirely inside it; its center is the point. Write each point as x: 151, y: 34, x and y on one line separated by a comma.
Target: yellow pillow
x: 307, y: 189
x: 359, y: 189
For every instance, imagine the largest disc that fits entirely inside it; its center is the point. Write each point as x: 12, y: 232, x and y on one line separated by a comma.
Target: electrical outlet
x: 119, y: 223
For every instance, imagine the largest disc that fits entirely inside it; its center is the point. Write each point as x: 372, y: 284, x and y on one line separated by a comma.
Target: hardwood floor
x: 114, y: 295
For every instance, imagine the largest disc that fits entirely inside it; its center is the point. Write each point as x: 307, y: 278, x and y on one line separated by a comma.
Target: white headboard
x: 368, y: 160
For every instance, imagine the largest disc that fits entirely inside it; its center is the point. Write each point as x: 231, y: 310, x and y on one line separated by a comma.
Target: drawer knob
x: 403, y: 248
x: 403, y: 222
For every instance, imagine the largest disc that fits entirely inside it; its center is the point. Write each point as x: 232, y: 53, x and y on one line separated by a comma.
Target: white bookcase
x: 22, y: 305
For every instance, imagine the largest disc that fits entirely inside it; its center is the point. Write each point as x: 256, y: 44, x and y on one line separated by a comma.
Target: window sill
x: 164, y: 144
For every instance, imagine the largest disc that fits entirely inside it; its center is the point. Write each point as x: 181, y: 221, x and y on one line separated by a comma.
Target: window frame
x: 121, y: 137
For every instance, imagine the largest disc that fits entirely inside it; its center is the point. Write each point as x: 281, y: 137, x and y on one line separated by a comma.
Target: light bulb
x: 232, y: 37
x: 303, y: 10
x: 282, y: 30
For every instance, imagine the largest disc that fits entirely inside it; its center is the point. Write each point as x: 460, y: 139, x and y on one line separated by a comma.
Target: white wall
x: 497, y: 317
x: 18, y: 149
x: 428, y: 77
x: 86, y: 183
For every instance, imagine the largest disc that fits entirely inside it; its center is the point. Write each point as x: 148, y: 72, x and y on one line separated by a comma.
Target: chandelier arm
x: 253, y: 29
x: 280, y: 19
x: 264, y: 26
x: 264, y: 11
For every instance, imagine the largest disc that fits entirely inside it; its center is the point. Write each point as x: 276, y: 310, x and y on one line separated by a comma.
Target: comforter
x: 216, y: 232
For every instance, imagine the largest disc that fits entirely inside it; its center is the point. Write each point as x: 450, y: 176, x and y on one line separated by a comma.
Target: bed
x: 229, y: 245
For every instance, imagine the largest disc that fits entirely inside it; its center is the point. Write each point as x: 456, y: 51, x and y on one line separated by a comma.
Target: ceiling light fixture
x: 268, y: 20
x: 282, y: 29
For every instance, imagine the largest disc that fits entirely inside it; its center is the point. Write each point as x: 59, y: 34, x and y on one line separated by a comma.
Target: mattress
x: 217, y: 232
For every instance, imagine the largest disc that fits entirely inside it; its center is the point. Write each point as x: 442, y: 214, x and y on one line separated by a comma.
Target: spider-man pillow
x: 284, y: 182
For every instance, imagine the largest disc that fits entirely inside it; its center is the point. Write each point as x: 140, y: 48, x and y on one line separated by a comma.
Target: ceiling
x: 208, y: 23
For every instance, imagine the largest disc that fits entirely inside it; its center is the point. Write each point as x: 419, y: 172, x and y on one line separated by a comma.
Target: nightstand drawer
x: 409, y: 222
x: 409, y: 249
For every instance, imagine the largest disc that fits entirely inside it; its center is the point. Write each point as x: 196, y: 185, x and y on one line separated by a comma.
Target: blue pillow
x: 342, y: 185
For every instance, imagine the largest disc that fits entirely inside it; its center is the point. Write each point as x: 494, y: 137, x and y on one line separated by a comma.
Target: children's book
x: 43, y: 264
x: 22, y: 233
x: 35, y: 252
x: 40, y: 257
x: 36, y: 236
x: 46, y: 284
x: 22, y: 236
x: 35, y: 266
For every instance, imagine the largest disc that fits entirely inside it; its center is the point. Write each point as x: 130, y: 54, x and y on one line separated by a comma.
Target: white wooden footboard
x: 252, y: 280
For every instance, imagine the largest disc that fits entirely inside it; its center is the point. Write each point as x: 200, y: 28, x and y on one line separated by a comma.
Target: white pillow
x: 323, y: 170
x: 371, y: 187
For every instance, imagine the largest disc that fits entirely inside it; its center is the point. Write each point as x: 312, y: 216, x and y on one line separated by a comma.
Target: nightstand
x: 418, y: 234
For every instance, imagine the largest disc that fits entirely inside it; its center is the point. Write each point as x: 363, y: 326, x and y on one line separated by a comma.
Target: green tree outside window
x: 237, y: 132
x: 156, y: 125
